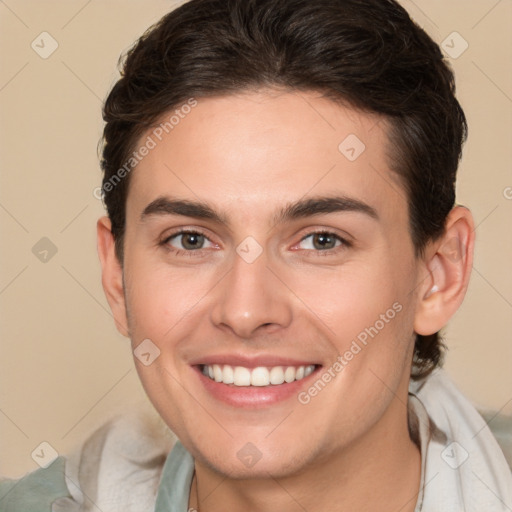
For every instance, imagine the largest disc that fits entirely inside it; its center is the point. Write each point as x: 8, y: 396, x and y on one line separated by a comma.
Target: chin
x: 251, y: 462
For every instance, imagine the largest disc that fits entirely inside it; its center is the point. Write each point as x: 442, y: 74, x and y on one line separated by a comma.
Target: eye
x: 322, y: 241
x: 188, y: 241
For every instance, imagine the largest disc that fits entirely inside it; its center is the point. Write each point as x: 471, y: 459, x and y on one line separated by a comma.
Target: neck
x: 382, y: 468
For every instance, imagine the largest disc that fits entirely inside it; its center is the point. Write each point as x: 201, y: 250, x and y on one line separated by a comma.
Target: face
x: 264, y: 242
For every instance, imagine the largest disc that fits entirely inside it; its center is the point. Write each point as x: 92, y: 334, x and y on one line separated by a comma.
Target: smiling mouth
x: 260, y: 376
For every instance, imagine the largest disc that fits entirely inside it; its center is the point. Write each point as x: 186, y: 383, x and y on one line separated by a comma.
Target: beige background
x: 64, y: 367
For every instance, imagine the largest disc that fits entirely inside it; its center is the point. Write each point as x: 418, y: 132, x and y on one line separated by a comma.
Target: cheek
x: 366, y: 312
x: 160, y: 298
x: 351, y: 298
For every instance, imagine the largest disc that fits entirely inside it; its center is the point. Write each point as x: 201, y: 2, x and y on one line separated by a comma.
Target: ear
x: 112, y: 274
x: 448, y: 261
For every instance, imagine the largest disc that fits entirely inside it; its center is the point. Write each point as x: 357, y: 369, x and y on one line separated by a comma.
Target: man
x: 282, y: 247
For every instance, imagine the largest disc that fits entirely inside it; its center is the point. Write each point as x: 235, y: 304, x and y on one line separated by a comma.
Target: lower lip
x: 251, y: 397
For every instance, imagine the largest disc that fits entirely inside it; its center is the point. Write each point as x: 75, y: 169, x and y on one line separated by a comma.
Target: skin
x: 248, y: 156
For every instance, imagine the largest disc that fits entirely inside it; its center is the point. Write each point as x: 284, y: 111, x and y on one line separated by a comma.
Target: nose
x: 251, y: 299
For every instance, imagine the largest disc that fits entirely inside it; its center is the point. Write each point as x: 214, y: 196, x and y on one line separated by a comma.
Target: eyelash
x: 345, y: 244
x: 183, y: 252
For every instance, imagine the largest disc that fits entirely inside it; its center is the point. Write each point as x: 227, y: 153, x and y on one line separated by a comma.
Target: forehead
x: 245, y: 154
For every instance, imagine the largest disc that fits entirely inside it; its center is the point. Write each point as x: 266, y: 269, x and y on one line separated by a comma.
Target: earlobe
x: 449, y: 261
x: 112, y: 274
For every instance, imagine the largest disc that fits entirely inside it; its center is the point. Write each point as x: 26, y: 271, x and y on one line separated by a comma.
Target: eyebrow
x: 322, y: 205
x: 186, y: 208
x: 297, y: 210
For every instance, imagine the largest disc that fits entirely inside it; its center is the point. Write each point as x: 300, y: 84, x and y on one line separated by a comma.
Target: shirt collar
x: 174, y: 489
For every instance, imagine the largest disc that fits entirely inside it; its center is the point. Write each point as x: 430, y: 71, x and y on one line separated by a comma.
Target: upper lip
x: 251, y: 361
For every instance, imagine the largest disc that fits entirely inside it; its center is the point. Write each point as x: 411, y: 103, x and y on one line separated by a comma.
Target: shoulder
x: 37, y: 491
x: 118, y: 467
x: 463, y: 461
x: 455, y: 413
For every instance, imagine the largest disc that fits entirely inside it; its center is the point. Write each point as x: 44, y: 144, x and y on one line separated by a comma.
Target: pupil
x: 192, y: 240
x: 323, y: 241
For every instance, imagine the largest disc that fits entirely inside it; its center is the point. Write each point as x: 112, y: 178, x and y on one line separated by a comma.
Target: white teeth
x: 276, y: 375
x: 217, y: 373
x: 289, y: 374
x: 259, y: 376
x: 241, y: 376
x: 228, y: 376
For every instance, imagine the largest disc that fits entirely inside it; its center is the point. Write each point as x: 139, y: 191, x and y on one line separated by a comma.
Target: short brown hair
x: 367, y: 53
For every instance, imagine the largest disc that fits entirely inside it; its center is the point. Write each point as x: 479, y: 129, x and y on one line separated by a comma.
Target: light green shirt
x: 174, y: 491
